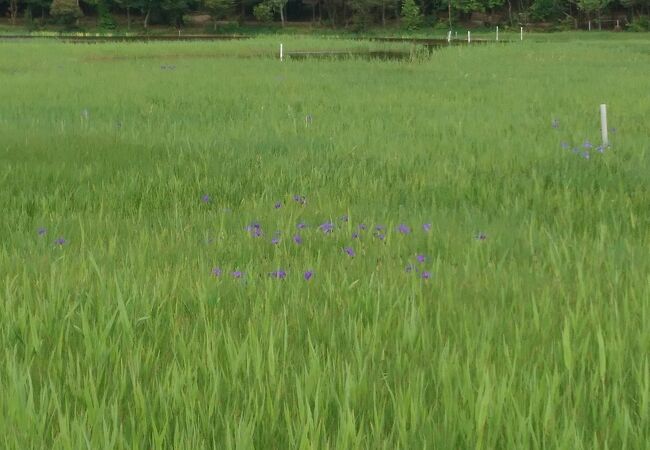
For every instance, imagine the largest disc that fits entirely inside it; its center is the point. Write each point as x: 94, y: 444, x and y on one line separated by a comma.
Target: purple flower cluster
x: 326, y: 227
x: 412, y: 268
x: 279, y: 274
x: 329, y: 227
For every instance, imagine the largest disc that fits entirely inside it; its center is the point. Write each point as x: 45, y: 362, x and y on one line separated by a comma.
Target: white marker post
x: 589, y: 25
x: 449, y: 36
x: 521, y: 33
x: 497, y: 33
x: 603, y: 124
x: 281, y: 53
x: 469, y: 36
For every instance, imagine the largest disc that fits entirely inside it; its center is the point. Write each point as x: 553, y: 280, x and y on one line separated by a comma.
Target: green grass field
x: 525, y: 326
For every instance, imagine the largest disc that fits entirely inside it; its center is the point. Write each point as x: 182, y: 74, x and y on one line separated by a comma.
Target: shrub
x: 263, y: 12
x: 411, y: 16
x: 66, y: 11
x: 640, y: 23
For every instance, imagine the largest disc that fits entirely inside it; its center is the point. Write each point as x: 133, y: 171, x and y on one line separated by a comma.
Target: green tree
x: 13, y: 10
x: 128, y: 5
x: 66, y: 11
x: 218, y: 9
x: 590, y: 7
x: 279, y: 7
x: 411, y: 15
x: 38, y: 7
x: 175, y: 9
x: 263, y: 12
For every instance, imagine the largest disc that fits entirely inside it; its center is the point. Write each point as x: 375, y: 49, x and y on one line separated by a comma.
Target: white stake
x: 449, y: 36
x: 281, y: 53
x: 469, y: 36
x: 497, y: 33
x: 603, y: 124
x: 521, y: 33
x: 617, y: 25
x: 589, y: 25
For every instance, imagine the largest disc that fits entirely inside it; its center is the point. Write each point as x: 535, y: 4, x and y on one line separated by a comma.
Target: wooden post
x: 603, y: 124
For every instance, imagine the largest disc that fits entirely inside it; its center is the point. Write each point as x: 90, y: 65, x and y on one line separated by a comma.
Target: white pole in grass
x: 603, y: 124
x: 469, y: 36
x: 497, y: 33
x: 589, y: 25
x: 449, y: 36
x: 617, y: 26
x: 281, y: 53
x: 521, y: 33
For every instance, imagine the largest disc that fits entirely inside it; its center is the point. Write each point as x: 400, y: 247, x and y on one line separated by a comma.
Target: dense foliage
x: 567, y: 14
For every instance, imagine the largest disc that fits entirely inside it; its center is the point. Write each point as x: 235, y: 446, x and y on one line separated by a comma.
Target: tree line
x: 359, y: 13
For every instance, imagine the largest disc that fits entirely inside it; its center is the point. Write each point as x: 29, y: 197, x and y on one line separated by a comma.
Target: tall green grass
x: 535, y: 337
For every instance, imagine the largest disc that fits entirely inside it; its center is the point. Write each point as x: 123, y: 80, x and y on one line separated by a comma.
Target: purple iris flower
x: 300, y: 199
x: 349, y: 251
x: 255, y: 229
x: 237, y: 274
x: 480, y: 236
x: 355, y: 235
x: 344, y: 218
x: 297, y: 239
x: 565, y: 145
x: 362, y: 227
x: 216, y: 271
x: 60, y: 241
x: 555, y: 123
x: 205, y: 198
x: 308, y: 275
x: 327, y: 227
x: 600, y: 149
x: 587, y: 144
x: 281, y: 274
x: 380, y: 236
x: 278, y: 205
x: 404, y: 229
x: 301, y: 225
x: 426, y: 275
x: 275, y: 241
x: 426, y: 227
x: 421, y: 258
x: 380, y: 228
x: 585, y: 155
x: 41, y: 231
